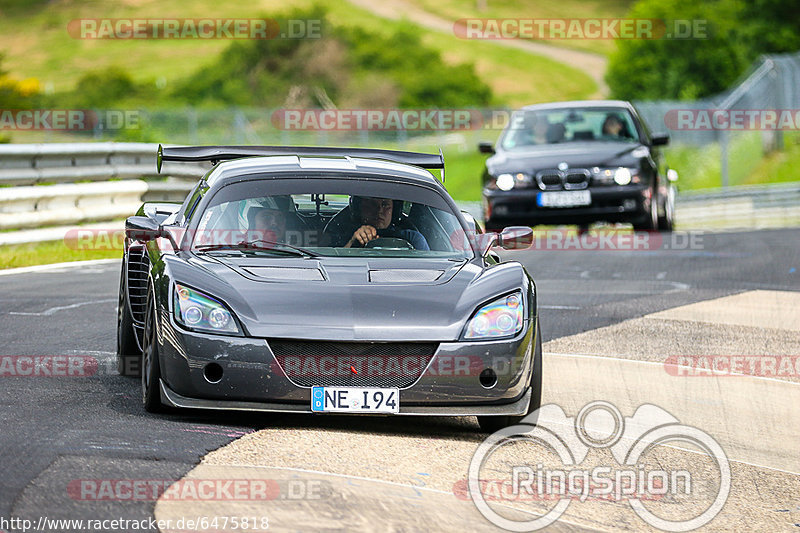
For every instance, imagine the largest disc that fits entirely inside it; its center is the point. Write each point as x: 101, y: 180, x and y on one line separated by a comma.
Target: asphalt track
x: 57, y: 430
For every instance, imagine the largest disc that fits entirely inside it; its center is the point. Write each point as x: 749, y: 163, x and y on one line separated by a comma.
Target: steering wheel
x: 389, y: 243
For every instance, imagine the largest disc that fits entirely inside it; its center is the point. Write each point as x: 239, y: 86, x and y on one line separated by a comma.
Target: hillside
x: 36, y: 44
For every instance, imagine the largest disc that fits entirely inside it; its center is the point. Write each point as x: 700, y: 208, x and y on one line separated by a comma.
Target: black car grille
x: 138, y: 268
x: 376, y: 364
x: 550, y: 180
x: 556, y: 180
x: 576, y: 179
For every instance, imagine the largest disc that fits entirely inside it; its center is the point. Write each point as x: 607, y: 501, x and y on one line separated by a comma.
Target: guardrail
x: 743, y: 207
x: 44, y: 192
x: 31, y: 164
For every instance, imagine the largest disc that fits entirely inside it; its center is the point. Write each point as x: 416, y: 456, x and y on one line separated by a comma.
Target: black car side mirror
x: 659, y: 139
x: 142, y: 229
x: 511, y: 238
x: 516, y: 238
x: 485, y: 147
x: 146, y: 229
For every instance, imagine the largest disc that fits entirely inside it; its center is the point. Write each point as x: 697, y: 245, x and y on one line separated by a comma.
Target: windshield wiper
x: 272, y: 246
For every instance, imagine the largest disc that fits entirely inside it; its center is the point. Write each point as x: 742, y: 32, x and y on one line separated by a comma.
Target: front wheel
x: 151, y: 372
x: 649, y: 220
x: 667, y: 222
x: 129, y: 356
x: 490, y: 424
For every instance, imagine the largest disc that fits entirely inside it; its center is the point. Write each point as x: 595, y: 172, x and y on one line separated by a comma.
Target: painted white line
x: 57, y: 266
x: 54, y: 310
x: 559, y: 307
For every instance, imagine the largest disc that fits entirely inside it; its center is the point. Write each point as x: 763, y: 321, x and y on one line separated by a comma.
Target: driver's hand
x: 362, y: 235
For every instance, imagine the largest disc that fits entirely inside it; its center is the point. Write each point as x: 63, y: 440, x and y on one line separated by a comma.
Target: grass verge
x: 43, y: 253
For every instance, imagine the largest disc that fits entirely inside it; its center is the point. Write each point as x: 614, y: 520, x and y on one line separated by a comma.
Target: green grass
x: 536, y: 9
x: 701, y: 167
x: 42, y: 253
x: 37, y: 44
x: 779, y: 167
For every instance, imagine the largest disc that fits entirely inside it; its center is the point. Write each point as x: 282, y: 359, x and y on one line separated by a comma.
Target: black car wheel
x: 151, y: 373
x: 667, y: 222
x: 649, y: 220
x: 129, y: 356
x: 490, y: 424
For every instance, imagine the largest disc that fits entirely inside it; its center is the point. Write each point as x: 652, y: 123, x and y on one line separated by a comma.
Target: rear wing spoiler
x: 216, y: 154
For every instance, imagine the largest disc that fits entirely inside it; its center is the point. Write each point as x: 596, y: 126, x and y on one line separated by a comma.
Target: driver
x: 376, y: 220
x: 270, y: 224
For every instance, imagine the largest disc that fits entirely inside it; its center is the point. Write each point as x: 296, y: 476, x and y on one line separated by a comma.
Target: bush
x: 343, y: 65
x: 100, y: 89
x: 738, y: 32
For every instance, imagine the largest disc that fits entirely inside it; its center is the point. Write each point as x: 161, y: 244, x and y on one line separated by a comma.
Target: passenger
x: 376, y: 218
x: 541, y: 126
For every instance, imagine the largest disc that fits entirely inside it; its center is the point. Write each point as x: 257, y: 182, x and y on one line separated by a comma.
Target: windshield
x: 315, y: 217
x: 543, y: 127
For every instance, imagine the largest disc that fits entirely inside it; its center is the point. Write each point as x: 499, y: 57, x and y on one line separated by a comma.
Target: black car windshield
x: 319, y: 217
x: 553, y: 126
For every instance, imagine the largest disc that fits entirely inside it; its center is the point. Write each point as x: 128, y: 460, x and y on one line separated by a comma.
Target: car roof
x: 355, y: 167
x: 579, y: 103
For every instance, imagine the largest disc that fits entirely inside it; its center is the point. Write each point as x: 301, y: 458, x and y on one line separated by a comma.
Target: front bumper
x: 252, y: 379
x: 609, y: 204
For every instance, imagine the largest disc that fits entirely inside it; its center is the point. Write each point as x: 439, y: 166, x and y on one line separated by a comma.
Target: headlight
x: 501, y: 318
x: 505, y: 182
x: 622, y: 176
x: 196, y: 310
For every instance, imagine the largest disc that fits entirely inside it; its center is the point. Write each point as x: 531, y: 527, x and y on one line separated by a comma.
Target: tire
x: 129, y: 355
x: 649, y: 220
x: 667, y: 222
x: 490, y: 424
x: 151, y: 371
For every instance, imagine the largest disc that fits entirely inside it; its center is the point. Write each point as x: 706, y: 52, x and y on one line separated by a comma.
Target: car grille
x: 556, y: 180
x: 377, y: 364
x: 138, y: 268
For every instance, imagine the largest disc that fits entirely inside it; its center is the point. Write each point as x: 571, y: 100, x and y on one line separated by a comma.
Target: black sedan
x: 318, y: 280
x: 578, y: 163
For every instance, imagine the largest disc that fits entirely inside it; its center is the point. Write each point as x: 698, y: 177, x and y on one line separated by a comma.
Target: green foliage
x: 100, y: 89
x: 736, y: 33
x: 350, y: 66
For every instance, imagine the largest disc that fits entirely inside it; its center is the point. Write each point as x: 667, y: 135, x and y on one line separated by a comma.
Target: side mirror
x: 659, y: 139
x: 516, y: 238
x: 142, y: 229
x: 485, y: 147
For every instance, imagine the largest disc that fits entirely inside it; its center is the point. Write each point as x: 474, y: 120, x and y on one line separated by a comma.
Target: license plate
x: 564, y: 198
x: 355, y: 400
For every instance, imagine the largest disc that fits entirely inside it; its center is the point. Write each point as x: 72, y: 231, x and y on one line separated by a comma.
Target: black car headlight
x: 504, y: 317
x: 616, y: 175
x: 201, y: 312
